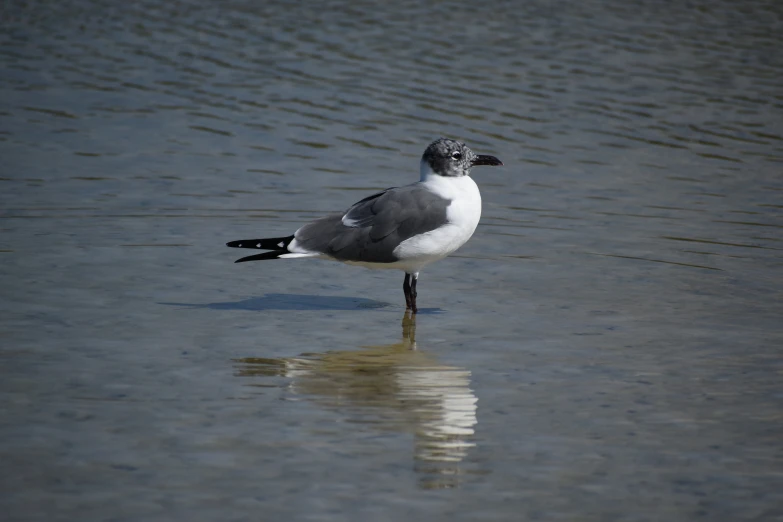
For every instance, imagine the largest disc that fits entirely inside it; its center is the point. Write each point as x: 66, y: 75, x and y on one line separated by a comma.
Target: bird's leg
x: 413, y: 294
x: 406, y: 287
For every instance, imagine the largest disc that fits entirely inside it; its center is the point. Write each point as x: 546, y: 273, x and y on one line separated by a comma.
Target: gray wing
x: 371, y: 229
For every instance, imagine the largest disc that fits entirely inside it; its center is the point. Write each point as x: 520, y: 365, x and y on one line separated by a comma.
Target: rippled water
x: 607, y: 346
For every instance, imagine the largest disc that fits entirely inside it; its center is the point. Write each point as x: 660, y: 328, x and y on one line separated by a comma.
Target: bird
x: 404, y: 228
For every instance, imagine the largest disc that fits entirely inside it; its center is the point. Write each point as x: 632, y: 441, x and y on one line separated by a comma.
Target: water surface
x: 606, y: 347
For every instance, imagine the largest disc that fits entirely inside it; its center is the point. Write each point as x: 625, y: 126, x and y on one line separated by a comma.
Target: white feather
x: 295, y: 255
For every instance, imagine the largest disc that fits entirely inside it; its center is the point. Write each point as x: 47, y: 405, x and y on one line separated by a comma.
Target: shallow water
x: 606, y: 347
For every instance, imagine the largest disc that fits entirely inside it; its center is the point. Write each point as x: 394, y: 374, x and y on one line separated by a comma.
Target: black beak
x: 486, y: 160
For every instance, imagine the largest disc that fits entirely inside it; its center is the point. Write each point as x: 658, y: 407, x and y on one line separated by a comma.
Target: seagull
x: 404, y: 228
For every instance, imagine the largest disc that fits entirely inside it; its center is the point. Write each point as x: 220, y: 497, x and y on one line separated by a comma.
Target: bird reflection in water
x: 403, y: 388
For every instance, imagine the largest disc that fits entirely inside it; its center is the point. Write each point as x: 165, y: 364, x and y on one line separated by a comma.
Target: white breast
x: 462, y: 218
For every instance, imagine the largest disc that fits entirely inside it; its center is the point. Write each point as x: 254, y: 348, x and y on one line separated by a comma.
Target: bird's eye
x: 456, y: 155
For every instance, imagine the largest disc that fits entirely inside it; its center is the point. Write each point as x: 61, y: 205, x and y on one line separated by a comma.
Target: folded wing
x: 371, y: 229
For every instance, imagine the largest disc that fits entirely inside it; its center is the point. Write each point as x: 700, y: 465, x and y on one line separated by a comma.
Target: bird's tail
x: 277, y: 245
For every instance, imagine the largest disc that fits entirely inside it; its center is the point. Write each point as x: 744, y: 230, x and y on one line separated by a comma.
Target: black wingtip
x: 268, y: 243
x: 262, y: 257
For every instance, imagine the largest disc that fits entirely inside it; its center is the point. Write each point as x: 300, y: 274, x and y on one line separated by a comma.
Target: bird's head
x: 451, y: 158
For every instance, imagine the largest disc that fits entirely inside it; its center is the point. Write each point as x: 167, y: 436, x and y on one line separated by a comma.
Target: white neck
x: 425, y: 171
x: 449, y: 187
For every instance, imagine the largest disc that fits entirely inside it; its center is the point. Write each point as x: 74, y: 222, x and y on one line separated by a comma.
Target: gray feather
x: 379, y: 224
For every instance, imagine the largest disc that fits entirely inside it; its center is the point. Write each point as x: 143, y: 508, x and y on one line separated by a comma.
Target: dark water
x: 607, y: 346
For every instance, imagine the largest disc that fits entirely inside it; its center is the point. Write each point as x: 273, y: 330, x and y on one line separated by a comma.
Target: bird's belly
x: 439, y: 243
x: 419, y: 251
x: 436, y: 244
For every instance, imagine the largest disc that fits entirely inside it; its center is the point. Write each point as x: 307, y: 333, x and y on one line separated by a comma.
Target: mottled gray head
x: 452, y: 158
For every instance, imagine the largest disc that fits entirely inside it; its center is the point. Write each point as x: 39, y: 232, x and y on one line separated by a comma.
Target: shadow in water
x: 292, y: 302
x: 390, y: 387
x: 299, y: 302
